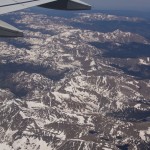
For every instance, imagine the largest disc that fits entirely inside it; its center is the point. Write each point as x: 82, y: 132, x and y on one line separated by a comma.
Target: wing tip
x: 7, y: 30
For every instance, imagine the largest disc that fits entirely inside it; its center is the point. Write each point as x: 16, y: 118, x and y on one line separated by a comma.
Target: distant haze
x: 141, y: 5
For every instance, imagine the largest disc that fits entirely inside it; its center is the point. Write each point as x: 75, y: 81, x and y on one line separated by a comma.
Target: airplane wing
x: 7, y: 6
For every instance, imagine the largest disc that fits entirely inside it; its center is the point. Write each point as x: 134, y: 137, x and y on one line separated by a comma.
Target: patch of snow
x: 33, y: 104
x: 137, y: 106
x: 62, y: 136
x: 119, y: 105
x: 32, y: 144
x: 141, y: 61
x: 4, y: 146
x: 61, y: 96
x: 142, y: 135
x: 92, y: 63
x: 23, y: 115
x: 105, y: 148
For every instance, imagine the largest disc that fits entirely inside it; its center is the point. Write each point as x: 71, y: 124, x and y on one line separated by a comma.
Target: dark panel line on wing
x: 18, y: 3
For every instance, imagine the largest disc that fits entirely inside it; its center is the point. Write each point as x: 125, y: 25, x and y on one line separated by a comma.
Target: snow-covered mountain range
x: 63, y: 87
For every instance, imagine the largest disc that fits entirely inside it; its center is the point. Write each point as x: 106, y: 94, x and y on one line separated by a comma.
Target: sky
x: 140, y: 5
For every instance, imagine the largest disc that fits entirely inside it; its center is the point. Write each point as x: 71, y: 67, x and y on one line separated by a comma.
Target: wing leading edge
x: 7, y: 6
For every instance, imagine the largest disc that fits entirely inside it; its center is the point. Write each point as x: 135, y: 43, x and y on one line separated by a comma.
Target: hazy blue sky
x: 142, y: 5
